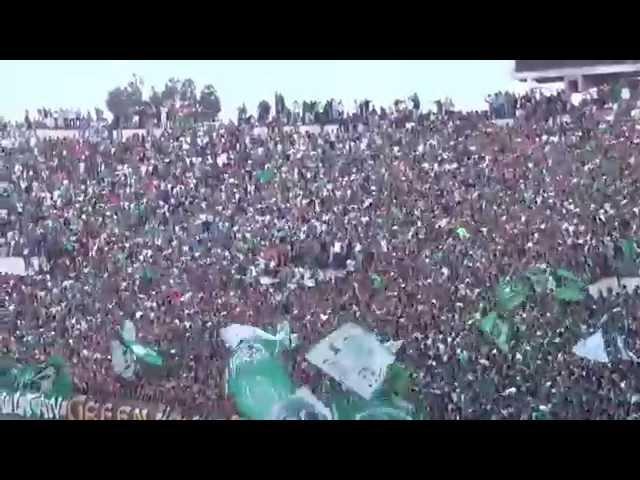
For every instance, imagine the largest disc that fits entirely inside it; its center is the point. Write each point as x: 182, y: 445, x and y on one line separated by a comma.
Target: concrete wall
x: 72, y: 133
x: 129, y: 132
x: 503, y: 122
x: 573, y: 70
x: 57, y: 134
x: 304, y: 129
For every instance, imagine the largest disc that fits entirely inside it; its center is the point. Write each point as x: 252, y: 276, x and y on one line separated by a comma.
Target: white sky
x: 84, y: 84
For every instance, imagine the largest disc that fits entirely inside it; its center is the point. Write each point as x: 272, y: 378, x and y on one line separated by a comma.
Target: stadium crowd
x: 194, y: 230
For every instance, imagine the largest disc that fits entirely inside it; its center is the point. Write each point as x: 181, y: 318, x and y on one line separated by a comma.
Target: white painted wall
x: 129, y: 132
x: 57, y: 134
x: 60, y: 134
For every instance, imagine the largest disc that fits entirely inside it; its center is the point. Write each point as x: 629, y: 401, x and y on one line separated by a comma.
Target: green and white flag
x: 391, y: 401
x: 629, y: 249
x: 462, y: 233
x: 627, y: 263
x: 355, y: 358
x: 235, y: 333
x: 569, y: 288
x: 377, y: 281
x: 51, y: 379
x: 146, y: 354
x: 497, y: 329
x: 302, y: 405
x: 257, y: 378
x: 539, y: 279
x: 123, y: 360
x: 266, y: 175
x: 541, y: 413
x: 126, y: 351
x: 510, y: 294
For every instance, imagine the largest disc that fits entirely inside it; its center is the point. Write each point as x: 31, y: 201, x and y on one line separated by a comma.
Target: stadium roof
x: 552, y: 70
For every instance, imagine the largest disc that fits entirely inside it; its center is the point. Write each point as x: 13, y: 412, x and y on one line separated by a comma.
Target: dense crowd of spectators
x: 178, y: 233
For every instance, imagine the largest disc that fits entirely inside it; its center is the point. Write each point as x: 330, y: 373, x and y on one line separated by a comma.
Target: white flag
x: 355, y: 358
x: 592, y: 348
x: 122, y: 360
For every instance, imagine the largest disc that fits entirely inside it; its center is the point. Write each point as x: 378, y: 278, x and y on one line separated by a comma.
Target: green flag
x: 497, y: 329
x: 629, y: 249
x: 302, y: 405
x: 51, y: 379
x: 257, y: 377
x: 266, y: 175
x: 377, y: 281
x: 462, y: 233
x: 61, y: 383
x: 353, y: 407
x: 539, y: 279
x: 569, y: 288
x: 570, y: 294
x: 567, y: 276
x: 616, y: 92
x: 8, y: 369
x: 511, y: 294
x: 398, y: 381
x: 126, y: 345
x: 145, y: 354
x: 147, y: 274
x: 389, y: 402
x: 627, y: 266
x: 540, y: 415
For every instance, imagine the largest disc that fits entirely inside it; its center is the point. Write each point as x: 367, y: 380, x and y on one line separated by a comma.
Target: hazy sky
x: 84, y: 84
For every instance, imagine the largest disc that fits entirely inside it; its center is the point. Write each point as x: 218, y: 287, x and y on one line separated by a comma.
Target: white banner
x: 31, y: 405
x: 603, y: 285
x: 592, y: 348
x: 354, y: 357
x: 12, y: 266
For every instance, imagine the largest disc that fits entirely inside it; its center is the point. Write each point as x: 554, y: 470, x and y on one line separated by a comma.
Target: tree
x: 171, y: 91
x: 326, y: 113
x: 117, y: 104
x: 188, y: 93
x: 280, y: 104
x: 125, y: 102
x: 242, y: 114
x: 415, y: 101
x: 209, y: 103
x: 135, y: 98
x: 314, y: 110
x: 264, y: 110
x: 133, y: 92
x: 155, y: 98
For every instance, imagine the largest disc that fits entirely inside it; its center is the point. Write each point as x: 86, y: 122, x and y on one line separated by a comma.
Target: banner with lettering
x: 84, y: 408
x: 37, y: 406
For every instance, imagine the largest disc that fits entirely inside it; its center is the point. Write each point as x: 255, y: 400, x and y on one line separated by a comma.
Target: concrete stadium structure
x: 577, y: 75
